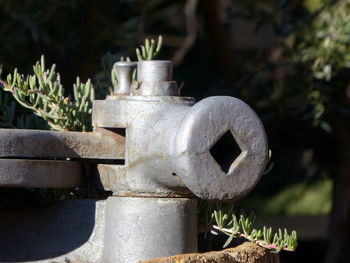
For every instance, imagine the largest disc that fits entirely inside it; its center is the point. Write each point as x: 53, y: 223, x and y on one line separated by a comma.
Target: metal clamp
x: 169, y: 140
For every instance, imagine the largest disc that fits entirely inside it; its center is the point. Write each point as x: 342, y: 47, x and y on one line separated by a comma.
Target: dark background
x: 262, y: 52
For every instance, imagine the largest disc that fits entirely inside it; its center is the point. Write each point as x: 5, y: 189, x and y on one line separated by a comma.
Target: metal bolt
x: 124, y: 71
x: 152, y: 71
x: 154, y: 78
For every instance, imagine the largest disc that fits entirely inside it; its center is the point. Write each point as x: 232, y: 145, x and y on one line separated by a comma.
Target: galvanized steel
x: 144, y: 228
x: 167, y: 154
x: 100, y: 144
x: 40, y: 173
x: 125, y: 70
x: 169, y: 140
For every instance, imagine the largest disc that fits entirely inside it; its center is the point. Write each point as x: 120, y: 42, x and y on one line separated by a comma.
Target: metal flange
x: 203, y: 126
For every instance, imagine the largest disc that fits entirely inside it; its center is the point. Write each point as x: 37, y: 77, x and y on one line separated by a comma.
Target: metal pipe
x: 100, y: 144
x: 144, y: 228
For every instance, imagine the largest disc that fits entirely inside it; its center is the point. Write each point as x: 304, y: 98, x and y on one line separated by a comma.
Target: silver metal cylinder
x: 154, y: 79
x: 154, y: 71
x: 124, y: 70
x: 144, y: 228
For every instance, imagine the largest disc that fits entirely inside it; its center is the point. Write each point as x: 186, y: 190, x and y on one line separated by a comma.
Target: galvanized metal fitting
x: 124, y: 70
x: 169, y: 138
x: 154, y: 78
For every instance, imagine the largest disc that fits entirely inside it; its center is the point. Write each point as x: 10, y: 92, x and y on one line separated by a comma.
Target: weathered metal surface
x: 168, y: 146
x: 117, y: 111
x: 121, y: 181
x: 168, y: 142
x: 144, y: 228
x: 40, y: 173
x: 101, y: 144
x: 154, y: 78
x: 167, y: 154
x: 203, y: 126
x: 153, y: 71
x: 148, y: 168
x: 125, y: 70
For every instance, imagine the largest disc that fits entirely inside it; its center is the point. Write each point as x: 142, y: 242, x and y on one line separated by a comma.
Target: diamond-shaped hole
x: 225, y: 151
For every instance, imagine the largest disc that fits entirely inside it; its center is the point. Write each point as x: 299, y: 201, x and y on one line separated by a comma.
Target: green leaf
x: 228, y: 241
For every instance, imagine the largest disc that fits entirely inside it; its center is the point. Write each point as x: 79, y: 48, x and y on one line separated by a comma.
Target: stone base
x: 247, y: 253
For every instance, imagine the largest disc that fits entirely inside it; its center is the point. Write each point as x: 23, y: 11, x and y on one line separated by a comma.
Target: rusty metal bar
x: 100, y: 144
x: 40, y: 173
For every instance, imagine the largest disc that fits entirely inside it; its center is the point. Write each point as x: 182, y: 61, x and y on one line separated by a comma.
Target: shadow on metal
x: 48, y: 232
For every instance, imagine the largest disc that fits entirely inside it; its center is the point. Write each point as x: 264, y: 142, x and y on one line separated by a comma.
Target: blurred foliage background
x: 289, y: 60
